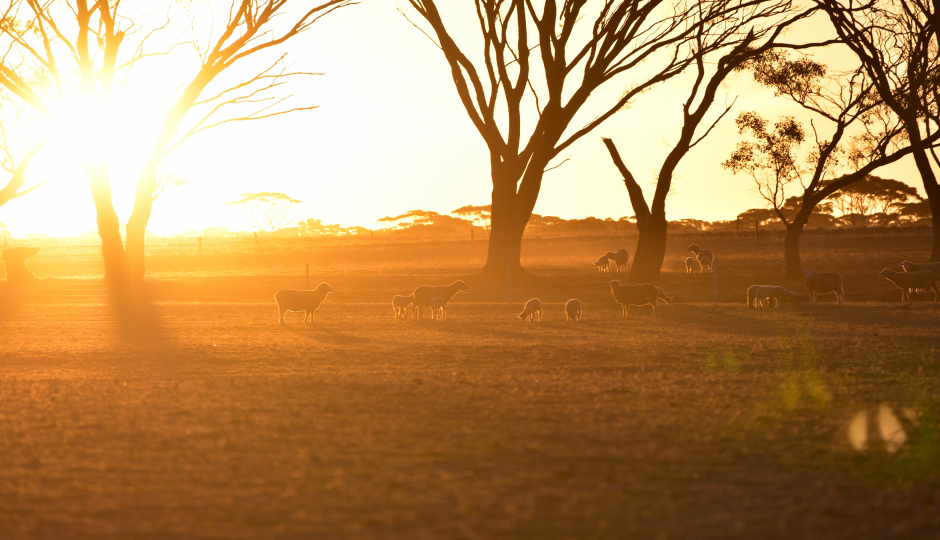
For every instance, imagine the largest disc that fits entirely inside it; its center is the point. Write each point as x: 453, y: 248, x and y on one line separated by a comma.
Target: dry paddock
x: 198, y: 417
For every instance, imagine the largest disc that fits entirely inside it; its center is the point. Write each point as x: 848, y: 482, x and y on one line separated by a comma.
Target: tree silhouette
x: 860, y: 201
x: 82, y: 47
x: 578, y: 51
x: 267, y: 211
x: 898, y: 46
x: 479, y: 215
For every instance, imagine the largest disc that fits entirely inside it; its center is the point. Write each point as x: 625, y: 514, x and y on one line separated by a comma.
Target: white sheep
x: 906, y: 281
x: 603, y: 264
x: 573, y: 310
x: 532, y: 307
x: 752, y: 296
x: 306, y: 301
x: 772, y: 294
x: 909, y: 266
x: 704, y: 256
x: 636, y: 295
x: 438, y: 308
x: 689, y: 263
x: 620, y: 258
x: 825, y: 283
x: 423, y: 295
x: 401, y: 303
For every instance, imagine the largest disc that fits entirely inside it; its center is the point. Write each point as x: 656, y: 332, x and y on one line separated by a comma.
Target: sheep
x: 909, y: 266
x: 573, y: 310
x: 306, y: 301
x: 636, y: 295
x: 532, y: 307
x: 918, y: 279
x: 772, y: 295
x: 438, y: 308
x: 824, y: 283
x: 423, y: 295
x: 704, y: 256
x: 401, y: 303
x: 620, y: 258
x: 752, y: 296
x: 15, y: 261
x: 689, y: 262
x: 603, y: 264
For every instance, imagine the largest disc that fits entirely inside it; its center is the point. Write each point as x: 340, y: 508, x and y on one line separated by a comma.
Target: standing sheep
x: 689, y: 262
x: 909, y: 266
x: 15, y: 261
x: 573, y: 310
x: 752, y: 296
x: 602, y: 264
x: 532, y: 307
x: 636, y: 295
x: 620, y: 258
x: 401, y: 303
x: 704, y: 256
x: 438, y: 308
x: 906, y: 281
x: 423, y: 295
x: 306, y: 301
x: 772, y: 294
x: 824, y: 284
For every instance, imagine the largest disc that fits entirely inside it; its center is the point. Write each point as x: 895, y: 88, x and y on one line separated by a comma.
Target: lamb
x: 689, y: 262
x: 824, y: 284
x: 620, y: 258
x: 532, y: 307
x: 909, y: 266
x: 306, y: 301
x: 573, y: 310
x: 636, y: 295
x: 423, y: 295
x: 906, y: 281
x: 603, y: 264
x: 752, y: 296
x: 704, y: 256
x: 772, y: 294
x: 401, y: 303
x: 438, y: 308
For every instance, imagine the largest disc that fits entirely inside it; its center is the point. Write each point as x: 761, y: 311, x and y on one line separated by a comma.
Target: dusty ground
x: 210, y: 421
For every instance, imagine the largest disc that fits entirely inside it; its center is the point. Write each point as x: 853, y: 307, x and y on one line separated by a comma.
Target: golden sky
x: 390, y: 135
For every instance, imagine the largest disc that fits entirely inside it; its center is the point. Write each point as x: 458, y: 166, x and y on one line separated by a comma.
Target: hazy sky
x: 390, y: 135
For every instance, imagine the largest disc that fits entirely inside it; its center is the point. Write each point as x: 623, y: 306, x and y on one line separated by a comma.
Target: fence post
x: 256, y: 239
x: 756, y: 230
x: 200, y: 246
x: 307, y: 283
x: 471, y: 233
x: 715, y: 275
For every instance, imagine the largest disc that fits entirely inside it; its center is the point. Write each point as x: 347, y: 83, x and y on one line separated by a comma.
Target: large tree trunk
x: 510, y: 213
x: 109, y: 226
x: 650, y: 250
x: 137, y: 223
x: 934, y: 198
x: 791, y: 247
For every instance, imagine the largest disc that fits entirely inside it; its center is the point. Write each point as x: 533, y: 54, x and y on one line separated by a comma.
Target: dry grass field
x: 200, y: 417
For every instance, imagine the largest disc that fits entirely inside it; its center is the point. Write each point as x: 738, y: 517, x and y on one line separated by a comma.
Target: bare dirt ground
x: 202, y: 418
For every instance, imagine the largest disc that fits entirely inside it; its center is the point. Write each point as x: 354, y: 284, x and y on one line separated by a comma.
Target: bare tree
x: 267, y: 211
x: 17, y: 169
x: 898, y: 45
x: 579, y: 50
x: 82, y: 46
x: 865, y: 135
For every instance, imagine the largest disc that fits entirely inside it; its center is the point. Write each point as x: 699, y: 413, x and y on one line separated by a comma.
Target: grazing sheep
x: 689, y: 262
x: 423, y: 295
x: 772, y: 294
x: 603, y: 264
x: 752, y: 296
x: 306, y: 301
x: 401, y: 303
x: 573, y: 310
x: 532, y: 307
x: 15, y: 261
x: 636, y: 295
x: 438, y: 308
x: 909, y: 266
x: 906, y: 281
x: 704, y: 256
x: 824, y: 284
x: 620, y: 258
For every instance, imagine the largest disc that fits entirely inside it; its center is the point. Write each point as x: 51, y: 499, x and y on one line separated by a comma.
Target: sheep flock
x: 918, y: 279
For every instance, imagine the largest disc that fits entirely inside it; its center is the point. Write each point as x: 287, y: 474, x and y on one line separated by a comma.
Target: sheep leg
x: 540, y: 315
x: 280, y: 318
